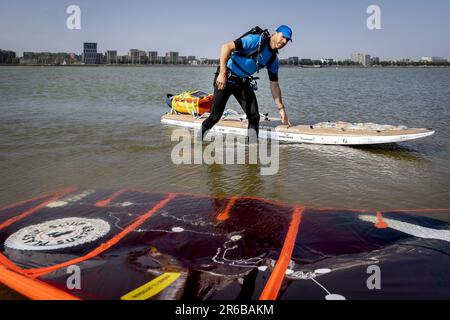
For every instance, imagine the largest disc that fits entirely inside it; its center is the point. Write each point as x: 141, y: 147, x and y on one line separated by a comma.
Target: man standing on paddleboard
x: 239, y: 61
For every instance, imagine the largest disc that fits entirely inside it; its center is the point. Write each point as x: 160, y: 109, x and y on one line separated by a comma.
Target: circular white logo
x: 58, y: 234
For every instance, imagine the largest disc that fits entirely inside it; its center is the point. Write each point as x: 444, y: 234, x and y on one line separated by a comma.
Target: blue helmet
x: 286, y: 31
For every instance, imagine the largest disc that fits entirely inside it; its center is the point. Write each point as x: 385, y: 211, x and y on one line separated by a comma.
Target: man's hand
x: 276, y: 93
x: 284, y: 118
x: 221, y: 81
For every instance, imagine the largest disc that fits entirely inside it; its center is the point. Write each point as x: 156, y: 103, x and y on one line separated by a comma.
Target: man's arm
x: 276, y: 94
x: 225, y: 53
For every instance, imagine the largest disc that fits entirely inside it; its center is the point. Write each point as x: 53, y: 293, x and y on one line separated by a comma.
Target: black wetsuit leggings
x: 246, y: 97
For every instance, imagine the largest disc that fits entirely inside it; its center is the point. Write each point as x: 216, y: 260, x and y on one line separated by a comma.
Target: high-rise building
x: 136, y: 56
x: 153, y: 57
x: 28, y: 58
x: 100, y: 58
x: 361, y: 58
x: 161, y: 60
x: 172, y: 57
x: 111, y: 57
x: 7, y: 57
x: 89, y: 53
x: 357, y: 58
x: 143, y: 59
x: 122, y: 59
x: 133, y: 56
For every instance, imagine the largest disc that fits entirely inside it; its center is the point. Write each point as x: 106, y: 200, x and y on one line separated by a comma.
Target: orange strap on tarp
x: 104, y: 246
x: 381, y: 224
x: 273, y: 285
x: 32, y: 288
x: 27, y: 201
x: 105, y: 202
x: 9, y: 264
x: 225, y: 214
x: 30, y: 211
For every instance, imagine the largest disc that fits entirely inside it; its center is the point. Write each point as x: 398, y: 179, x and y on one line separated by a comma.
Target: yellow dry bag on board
x: 191, y: 102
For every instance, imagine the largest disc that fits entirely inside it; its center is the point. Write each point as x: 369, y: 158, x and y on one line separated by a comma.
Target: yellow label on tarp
x: 153, y: 287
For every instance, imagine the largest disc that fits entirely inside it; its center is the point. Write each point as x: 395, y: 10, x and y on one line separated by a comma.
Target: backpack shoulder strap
x: 254, y: 30
x: 265, y: 36
x: 272, y: 58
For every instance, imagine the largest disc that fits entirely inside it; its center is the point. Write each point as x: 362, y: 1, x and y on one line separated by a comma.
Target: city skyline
x: 350, y: 57
x: 409, y: 29
x: 90, y: 55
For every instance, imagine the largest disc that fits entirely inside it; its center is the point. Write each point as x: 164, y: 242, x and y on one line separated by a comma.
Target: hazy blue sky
x: 327, y: 28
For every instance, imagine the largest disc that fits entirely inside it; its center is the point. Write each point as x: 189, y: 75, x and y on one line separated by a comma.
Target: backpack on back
x: 264, y: 41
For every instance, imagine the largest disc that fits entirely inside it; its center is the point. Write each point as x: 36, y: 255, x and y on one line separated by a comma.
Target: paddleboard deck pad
x: 329, y: 133
x: 135, y: 245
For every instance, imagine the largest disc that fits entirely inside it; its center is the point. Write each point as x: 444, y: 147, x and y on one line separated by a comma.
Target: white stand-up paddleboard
x: 328, y: 133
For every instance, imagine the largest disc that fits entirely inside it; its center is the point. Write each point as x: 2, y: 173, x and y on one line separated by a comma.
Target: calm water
x: 100, y: 128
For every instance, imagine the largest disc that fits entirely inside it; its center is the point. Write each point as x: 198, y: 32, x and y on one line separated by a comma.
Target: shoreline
x: 208, y: 66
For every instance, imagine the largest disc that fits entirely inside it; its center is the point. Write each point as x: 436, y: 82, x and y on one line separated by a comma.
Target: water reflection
x: 100, y: 128
x: 244, y: 180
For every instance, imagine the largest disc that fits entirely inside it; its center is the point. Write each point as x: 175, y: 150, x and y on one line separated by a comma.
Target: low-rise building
x: 182, y: 60
x: 192, y: 60
x: 375, y: 61
x: 327, y: 61
x: 48, y: 58
x: 433, y: 60
x: 293, y: 61
x: 306, y: 62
